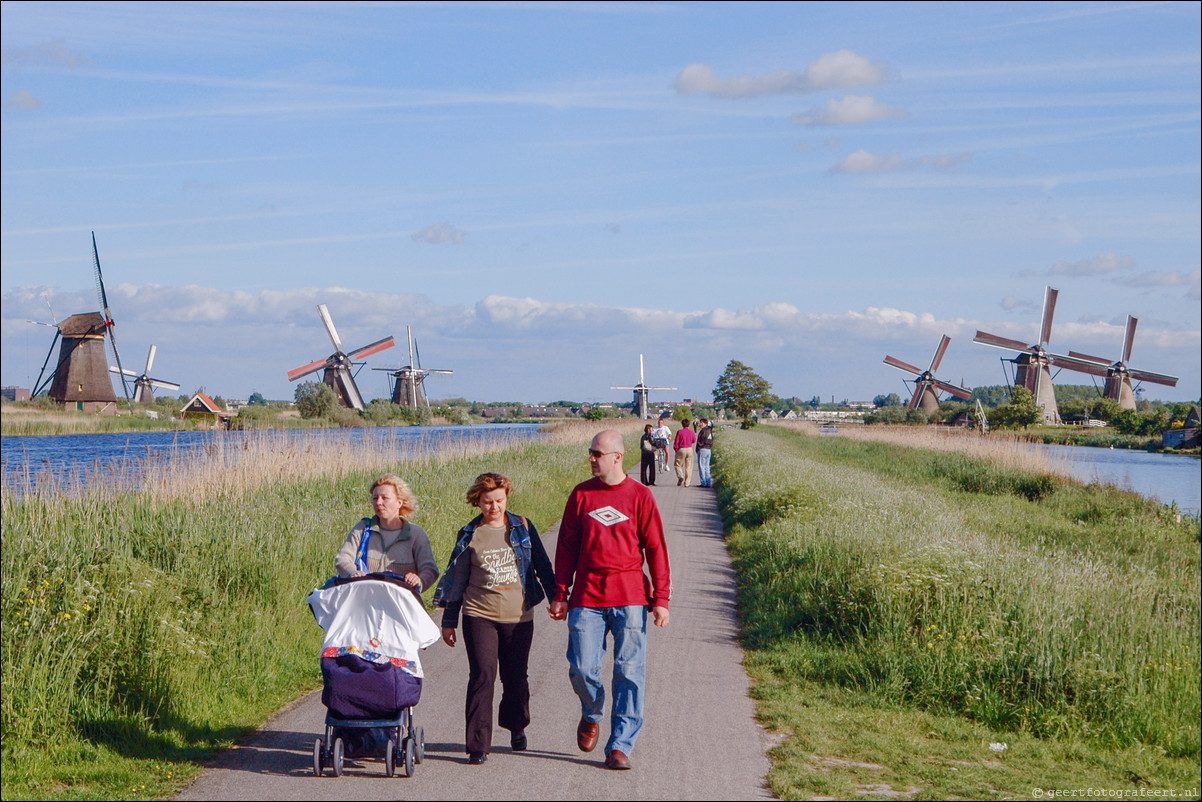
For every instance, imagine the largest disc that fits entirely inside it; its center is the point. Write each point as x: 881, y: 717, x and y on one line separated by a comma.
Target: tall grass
x: 162, y: 622
x: 966, y: 585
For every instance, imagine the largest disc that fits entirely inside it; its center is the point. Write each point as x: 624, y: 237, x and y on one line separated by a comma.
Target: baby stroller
x: 375, y: 627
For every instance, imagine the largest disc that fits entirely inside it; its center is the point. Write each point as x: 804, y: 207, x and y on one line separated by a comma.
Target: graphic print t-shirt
x: 494, y: 589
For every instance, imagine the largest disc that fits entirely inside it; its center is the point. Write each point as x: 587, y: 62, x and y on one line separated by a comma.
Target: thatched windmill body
x: 339, y: 367
x: 81, y: 375
x: 408, y: 382
x: 926, y: 385
x: 1119, y: 375
x: 641, y: 392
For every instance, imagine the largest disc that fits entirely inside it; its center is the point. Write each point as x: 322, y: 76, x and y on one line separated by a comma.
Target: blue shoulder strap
x: 361, y: 560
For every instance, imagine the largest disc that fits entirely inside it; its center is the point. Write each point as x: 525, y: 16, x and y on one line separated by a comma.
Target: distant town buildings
x: 14, y: 393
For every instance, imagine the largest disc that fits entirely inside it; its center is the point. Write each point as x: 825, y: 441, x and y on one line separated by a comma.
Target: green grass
x: 141, y: 634
x: 934, y: 585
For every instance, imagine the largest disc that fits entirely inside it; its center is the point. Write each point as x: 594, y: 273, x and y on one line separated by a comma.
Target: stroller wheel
x: 410, y: 754
x: 318, y: 749
x: 419, y: 737
x: 336, y: 757
x: 390, y: 758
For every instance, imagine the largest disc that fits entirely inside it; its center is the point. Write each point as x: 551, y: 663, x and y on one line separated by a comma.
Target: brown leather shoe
x: 617, y: 760
x: 586, y: 735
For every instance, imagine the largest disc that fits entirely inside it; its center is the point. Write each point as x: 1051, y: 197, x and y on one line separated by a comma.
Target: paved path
x: 699, y: 738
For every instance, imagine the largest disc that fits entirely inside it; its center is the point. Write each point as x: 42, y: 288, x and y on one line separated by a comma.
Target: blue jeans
x: 587, y: 629
x: 703, y: 465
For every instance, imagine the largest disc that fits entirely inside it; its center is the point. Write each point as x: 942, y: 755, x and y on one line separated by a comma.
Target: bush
x: 316, y: 400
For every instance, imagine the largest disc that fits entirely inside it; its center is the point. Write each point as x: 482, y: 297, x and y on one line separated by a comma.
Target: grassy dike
x: 143, y: 632
x: 933, y: 625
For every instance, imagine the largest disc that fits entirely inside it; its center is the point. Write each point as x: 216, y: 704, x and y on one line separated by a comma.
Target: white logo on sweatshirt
x: 607, y: 516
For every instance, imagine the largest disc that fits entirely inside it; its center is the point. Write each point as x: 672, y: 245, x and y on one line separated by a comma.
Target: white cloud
x: 849, y: 110
x: 1010, y: 303
x: 869, y: 163
x: 1175, y: 278
x: 440, y: 233
x: 1097, y: 266
x: 48, y: 54
x: 836, y: 70
x: 24, y: 100
x: 864, y: 162
x: 530, y: 349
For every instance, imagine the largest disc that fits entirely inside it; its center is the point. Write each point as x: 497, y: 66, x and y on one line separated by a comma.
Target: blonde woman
x: 389, y: 540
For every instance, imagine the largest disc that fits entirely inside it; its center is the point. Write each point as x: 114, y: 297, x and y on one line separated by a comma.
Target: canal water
x: 1168, y: 478
x: 72, y: 459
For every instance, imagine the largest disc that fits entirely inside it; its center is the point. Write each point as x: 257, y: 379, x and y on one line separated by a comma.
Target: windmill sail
x: 108, y: 321
x: 926, y: 385
x: 641, y: 392
x: 339, y: 366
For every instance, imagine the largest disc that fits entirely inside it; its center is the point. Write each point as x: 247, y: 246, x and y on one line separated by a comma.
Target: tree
x: 890, y: 400
x: 742, y: 390
x: 256, y: 400
x: 1021, y: 412
x: 315, y: 400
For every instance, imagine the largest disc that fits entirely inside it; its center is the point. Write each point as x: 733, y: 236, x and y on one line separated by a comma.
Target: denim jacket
x: 534, y: 566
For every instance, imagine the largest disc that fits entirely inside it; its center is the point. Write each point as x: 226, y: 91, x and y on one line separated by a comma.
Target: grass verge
x: 144, y: 631
x: 891, y: 594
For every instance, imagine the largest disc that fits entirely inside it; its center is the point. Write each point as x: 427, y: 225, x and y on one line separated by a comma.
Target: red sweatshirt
x: 605, y: 533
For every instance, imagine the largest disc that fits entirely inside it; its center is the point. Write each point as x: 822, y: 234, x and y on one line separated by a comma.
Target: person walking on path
x: 498, y: 572
x: 665, y: 435
x: 683, y: 446
x: 647, y: 452
x: 610, y: 526
x: 705, y: 449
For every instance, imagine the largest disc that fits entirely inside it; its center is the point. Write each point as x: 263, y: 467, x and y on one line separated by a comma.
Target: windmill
x: 1034, y: 362
x: 641, y: 390
x: 407, y: 382
x: 81, y: 375
x: 1119, y: 375
x: 143, y: 384
x: 338, y: 365
x: 926, y: 385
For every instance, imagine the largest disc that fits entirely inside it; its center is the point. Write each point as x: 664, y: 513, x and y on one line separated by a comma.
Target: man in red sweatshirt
x: 610, y: 526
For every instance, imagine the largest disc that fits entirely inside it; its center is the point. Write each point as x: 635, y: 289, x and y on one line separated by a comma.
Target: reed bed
x: 151, y: 626
x: 1072, y: 612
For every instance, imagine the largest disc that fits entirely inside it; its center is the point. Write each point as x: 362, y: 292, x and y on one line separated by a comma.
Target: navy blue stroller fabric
x: 360, y: 689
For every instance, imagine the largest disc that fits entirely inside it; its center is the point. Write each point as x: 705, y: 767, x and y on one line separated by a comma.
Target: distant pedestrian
x: 665, y: 436
x: 647, y: 452
x: 610, y: 527
x: 705, y: 445
x: 683, y: 446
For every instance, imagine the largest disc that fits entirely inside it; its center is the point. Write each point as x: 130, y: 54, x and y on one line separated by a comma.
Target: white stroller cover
x: 374, y: 619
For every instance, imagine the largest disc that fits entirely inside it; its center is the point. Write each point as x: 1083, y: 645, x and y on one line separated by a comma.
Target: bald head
x: 605, y: 457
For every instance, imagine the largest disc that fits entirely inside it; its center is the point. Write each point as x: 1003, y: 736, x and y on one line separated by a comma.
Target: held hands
x: 558, y: 610
x: 448, y: 636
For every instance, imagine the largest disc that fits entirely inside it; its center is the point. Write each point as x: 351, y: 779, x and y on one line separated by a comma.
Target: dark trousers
x: 647, y: 468
x: 491, y: 646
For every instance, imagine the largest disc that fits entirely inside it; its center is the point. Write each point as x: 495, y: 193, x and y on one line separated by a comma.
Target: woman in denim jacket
x: 498, y: 572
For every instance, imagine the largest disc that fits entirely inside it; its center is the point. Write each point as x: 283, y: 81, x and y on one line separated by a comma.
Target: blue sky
x: 545, y: 191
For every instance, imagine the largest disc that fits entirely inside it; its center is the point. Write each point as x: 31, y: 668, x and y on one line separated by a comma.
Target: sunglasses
x: 599, y: 454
